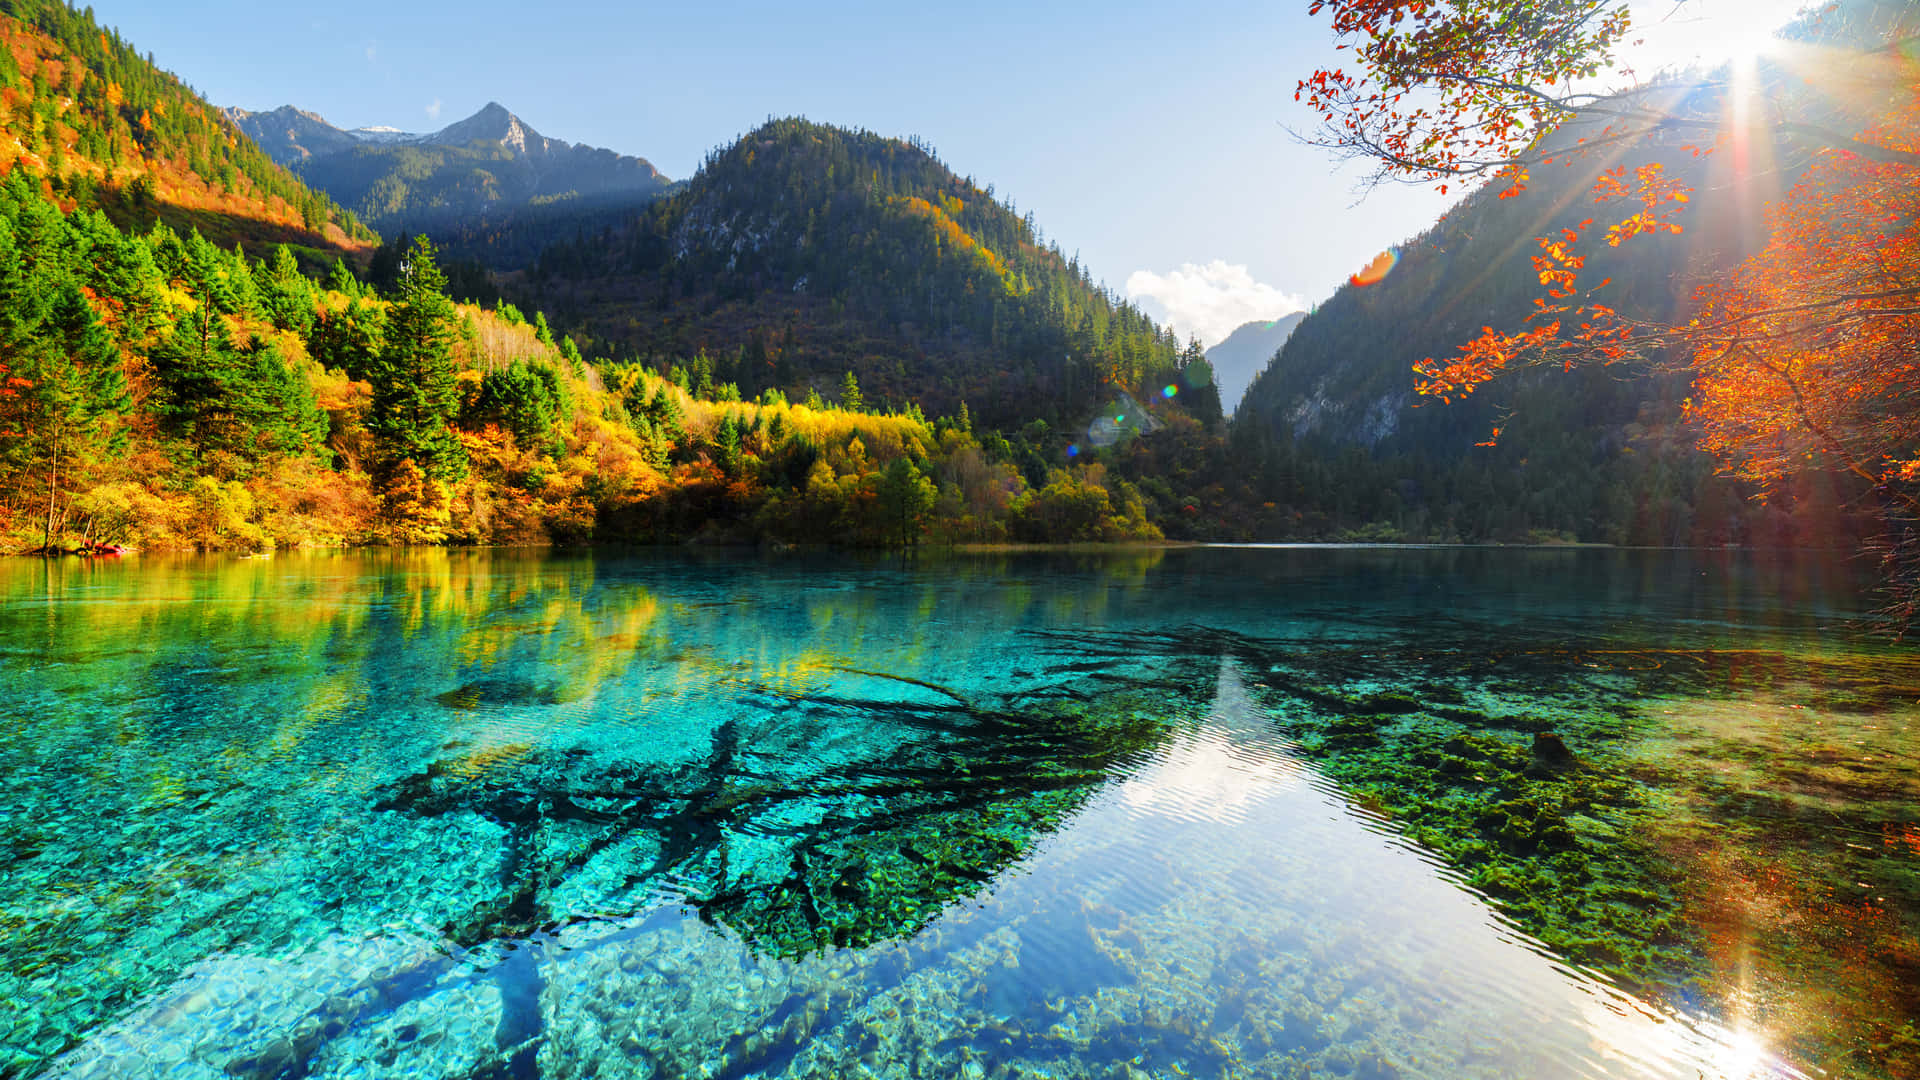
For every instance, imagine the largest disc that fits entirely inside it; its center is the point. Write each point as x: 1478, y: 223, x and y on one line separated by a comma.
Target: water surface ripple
x: 1215, y: 813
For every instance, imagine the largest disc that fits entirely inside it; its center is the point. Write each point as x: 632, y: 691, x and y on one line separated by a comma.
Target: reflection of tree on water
x: 795, y: 855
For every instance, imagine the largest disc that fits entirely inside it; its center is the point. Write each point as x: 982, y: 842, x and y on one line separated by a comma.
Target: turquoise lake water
x: 1227, y: 812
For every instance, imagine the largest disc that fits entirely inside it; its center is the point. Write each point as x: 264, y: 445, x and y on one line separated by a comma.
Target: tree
x: 1474, y: 88
x: 1198, y: 391
x: 70, y: 382
x: 231, y: 404
x: 349, y: 339
x: 285, y: 293
x: 850, y: 398
x: 1492, y: 88
x: 415, y: 394
x: 906, y: 496
x: 525, y: 398
x: 1802, y: 354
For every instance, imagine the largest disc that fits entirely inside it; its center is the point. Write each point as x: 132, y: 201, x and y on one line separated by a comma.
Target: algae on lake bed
x: 1381, y: 814
x: 1738, y: 828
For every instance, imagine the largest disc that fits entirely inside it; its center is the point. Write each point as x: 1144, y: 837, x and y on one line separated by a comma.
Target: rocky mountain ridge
x: 490, y: 162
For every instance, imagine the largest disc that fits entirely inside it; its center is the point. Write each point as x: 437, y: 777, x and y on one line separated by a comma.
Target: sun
x: 1743, y: 45
x: 1704, y: 33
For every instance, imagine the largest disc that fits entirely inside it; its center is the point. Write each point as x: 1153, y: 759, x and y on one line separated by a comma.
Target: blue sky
x: 1150, y: 138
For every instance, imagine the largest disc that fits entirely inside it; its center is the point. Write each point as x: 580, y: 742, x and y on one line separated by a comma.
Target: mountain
x: 107, y: 129
x: 804, y: 251
x: 491, y: 163
x: 1599, y: 453
x: 1245, y: 353
x: 291, y: 136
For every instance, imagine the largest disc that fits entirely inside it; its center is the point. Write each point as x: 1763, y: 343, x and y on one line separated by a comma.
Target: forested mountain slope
x: 104, y: 127
x: 1596, y: 454
x: 158, y: 390
x: 804, y: 251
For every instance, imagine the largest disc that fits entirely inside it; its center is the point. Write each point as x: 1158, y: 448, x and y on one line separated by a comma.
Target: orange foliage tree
x: 1805, y: 353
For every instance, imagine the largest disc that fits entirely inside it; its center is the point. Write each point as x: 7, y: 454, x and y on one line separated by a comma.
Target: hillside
x: 167, y: 393
x: 106, y: 128
x: 1245, y: 353
x: 804, y: 251
x: 490, y: 164
x: 1596, y: 454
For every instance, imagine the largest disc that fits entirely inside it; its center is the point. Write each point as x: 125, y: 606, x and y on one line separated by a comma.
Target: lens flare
x: 1169, y: 391
x: 1377, y: 270
x: 1073, y: 449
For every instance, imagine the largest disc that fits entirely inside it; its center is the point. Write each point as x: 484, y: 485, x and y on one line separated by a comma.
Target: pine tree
x: 413, y: 377
x: 906, y: 496
x: 72, y: 385
x: 286, y: 296
x: 850, y: 394
x: 232, y: 405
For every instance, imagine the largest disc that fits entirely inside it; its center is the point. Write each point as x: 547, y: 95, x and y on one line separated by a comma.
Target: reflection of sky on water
x: 1212, y: 906
x: 1249, y: 811
x: 1220, y: 856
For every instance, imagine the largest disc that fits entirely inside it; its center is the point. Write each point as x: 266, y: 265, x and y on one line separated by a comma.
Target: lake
x: 1212, y: 812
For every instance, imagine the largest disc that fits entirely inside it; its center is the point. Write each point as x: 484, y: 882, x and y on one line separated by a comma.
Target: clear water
x: 1212, y: 812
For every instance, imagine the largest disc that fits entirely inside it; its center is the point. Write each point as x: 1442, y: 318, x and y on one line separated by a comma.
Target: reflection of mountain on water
x: 1254, y: 926
x: 822, y: 822
x: 453, y: 814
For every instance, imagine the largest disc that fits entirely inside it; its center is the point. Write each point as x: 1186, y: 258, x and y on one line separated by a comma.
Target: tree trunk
x: 53, y: 487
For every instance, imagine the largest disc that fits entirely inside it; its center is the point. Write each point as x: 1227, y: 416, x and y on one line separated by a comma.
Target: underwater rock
x: 503, y: 692
x: 1390, y: 704
x: 255, y: 1016
x: 1551, y: 756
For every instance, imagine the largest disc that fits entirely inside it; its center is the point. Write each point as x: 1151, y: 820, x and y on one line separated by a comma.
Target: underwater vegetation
x: 857, y: 851
x: 1695, y: 824
x: 479, y: 817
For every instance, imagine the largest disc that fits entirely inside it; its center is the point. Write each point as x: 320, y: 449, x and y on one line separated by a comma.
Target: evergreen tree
x: 286, y: 296
x: 349, y: 340
x: 850, y: 394
x: 525, y: 398
x: 414, y: 389
x: 1198, y: 391
x: 341, y: 280
x: 906, y: 497
x: 232, y: 406
x: 72, y: 385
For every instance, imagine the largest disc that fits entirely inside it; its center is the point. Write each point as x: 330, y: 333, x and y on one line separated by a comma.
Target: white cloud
x: 433, y: 110
x: 1210, y: 301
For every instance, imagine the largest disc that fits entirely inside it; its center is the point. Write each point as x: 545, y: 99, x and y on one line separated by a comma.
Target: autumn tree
x: 1801, y: 355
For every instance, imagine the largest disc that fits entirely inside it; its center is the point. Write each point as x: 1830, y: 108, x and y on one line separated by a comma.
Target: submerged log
x: 86, y: 550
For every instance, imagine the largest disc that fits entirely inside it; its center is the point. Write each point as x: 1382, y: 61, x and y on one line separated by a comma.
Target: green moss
x: 1556, y: 853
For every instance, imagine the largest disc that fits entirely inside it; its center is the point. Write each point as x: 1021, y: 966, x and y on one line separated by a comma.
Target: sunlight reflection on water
x: 959, y: 823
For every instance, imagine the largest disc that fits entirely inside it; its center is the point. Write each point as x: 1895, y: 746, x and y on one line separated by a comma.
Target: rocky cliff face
x: 289, y: 135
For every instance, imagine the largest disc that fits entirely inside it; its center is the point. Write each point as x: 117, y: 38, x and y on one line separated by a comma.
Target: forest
x: 824, y: 336
x: 161, y: 391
